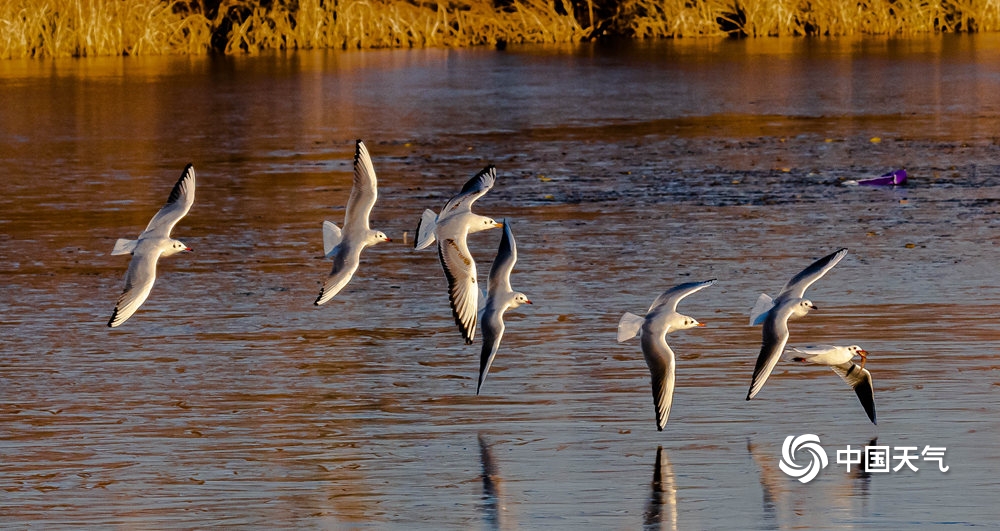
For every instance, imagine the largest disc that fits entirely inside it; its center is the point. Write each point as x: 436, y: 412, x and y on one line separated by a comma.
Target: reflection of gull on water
x: 861, y: 487
x: 774, y: 483
x: 154, y: 242
x: 775, y: 313
x: 662, y: 492
x: 839, y: 359
x: 831, y: 497
x: 661, y: 318
x: 492, y: 504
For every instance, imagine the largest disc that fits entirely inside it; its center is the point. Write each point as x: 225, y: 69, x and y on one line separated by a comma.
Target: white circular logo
x: 805, y: 472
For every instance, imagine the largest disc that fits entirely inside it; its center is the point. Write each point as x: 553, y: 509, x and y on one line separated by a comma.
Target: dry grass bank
x: 55, y: 28
x: 42, y: 28
x: 387, y: 24
x: 60, y: 28
x: 759, y: 18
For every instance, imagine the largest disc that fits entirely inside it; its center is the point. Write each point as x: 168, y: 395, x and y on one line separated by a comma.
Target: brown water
x: 229, y: 399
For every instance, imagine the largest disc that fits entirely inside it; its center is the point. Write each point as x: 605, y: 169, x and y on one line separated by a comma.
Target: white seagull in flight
x: 840, y: 360
x: 345, y: 246
x: 661, y: 319
x: 775, y: 313
x: 499, y: 298
x: 450, y: 228
x: 153, y: 243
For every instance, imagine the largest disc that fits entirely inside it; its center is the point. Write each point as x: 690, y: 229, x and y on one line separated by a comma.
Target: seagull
x: 345, y: 246
x: 499, y: 298
x: 775, y: 313
x: 661, y: 318
x: 450, y: 228
x: 839, y: 359
x: 153, y: 243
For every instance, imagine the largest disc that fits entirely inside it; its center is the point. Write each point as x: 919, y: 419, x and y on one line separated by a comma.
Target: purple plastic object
x: 893, y: 178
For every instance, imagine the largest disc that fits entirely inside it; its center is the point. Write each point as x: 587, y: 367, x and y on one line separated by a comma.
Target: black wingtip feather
x: 175, y: 193
x: 357, y: 150
x: 490, y: 171
x: 322, y: 291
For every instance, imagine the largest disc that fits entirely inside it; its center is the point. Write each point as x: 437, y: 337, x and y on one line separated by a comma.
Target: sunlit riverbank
x: 65, y: 28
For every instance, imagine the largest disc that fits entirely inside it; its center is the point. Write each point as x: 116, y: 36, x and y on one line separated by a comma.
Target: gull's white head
x: 802, y: 308
x: 379, y: 236
x: 519, y: 299
x: 683, y: 322
x: 857, y: 351
x: 484, y: 223
x: 176, y: 246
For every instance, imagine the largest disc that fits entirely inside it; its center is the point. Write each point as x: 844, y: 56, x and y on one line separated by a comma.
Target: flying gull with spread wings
x: 500, y: 297
x: 345, y: 245
x: 661, y: 319
x: 775, y: 313
x: 840, y: 359
x: 451, y: 228
x: 153, y: 243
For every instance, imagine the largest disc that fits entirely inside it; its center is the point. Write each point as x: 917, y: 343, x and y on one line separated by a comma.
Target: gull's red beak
x: 188, y: 250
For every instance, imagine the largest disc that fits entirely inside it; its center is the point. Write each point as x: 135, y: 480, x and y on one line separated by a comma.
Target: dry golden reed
x: 391, y: 24
x: 56, y: 28
x: 760, y: 18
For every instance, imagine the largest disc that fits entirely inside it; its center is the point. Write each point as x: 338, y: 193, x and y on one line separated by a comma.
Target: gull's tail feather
x: 123, y: 246
x: 332, y: 236
x: 425, y: 230
x: 760, y: 308
x: 628, y: 326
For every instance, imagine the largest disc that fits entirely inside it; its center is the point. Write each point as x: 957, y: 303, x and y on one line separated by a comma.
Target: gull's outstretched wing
x: 670, y: 298
x: 660, y: 360
x: 180, y: 201
x: 364, y: 191
x: 463, y: 291
x: 861, y: 381
x: 493, y: 329
x: 774, y: 335
x: 345, y: 264
x: 475, y: 188
x: 138, y: 283
x: 503, y: 264
x: 797, y: 286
